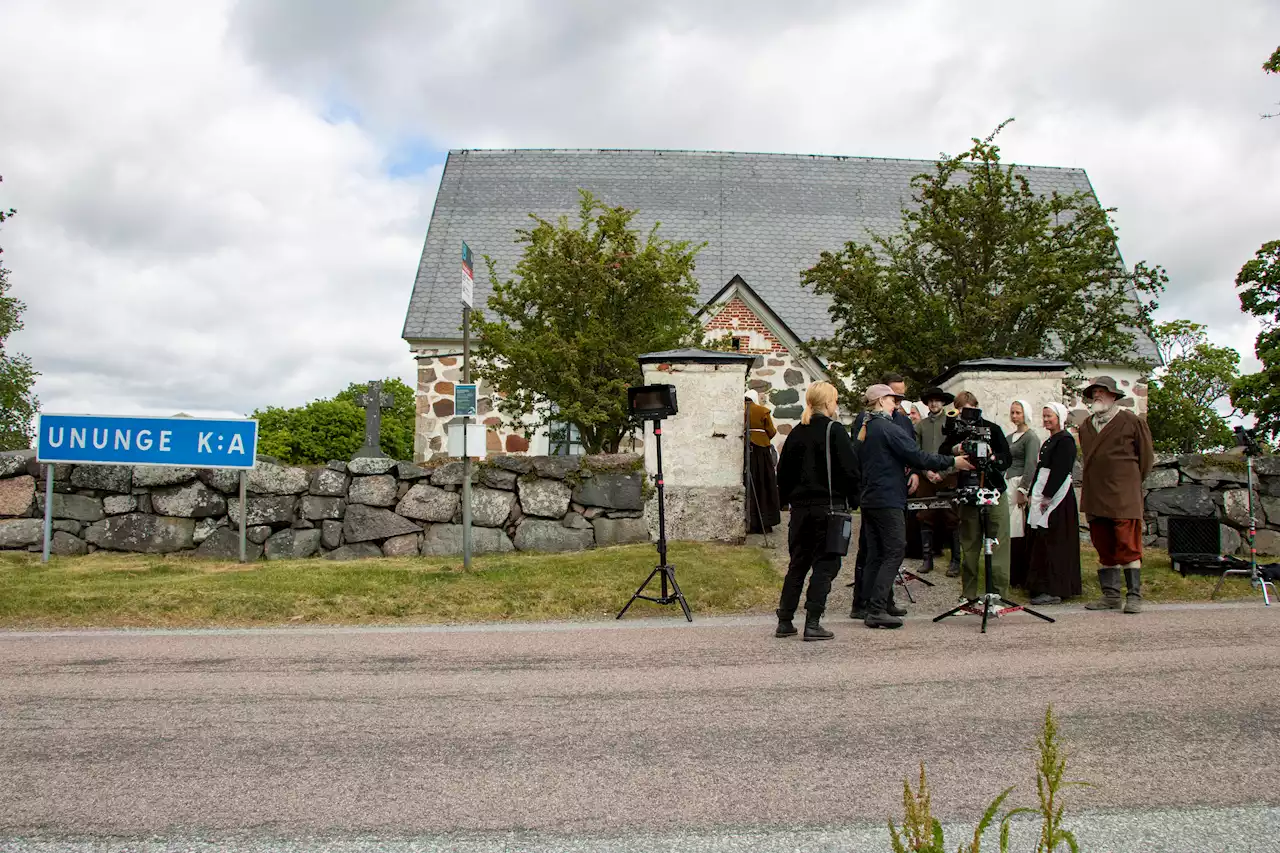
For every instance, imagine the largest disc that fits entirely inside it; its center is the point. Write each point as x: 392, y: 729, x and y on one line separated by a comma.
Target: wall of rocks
x: 345, y: 510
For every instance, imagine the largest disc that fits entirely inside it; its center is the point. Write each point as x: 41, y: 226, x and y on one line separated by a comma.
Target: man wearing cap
x: 939, y: 522
x: 886, y: 450
x: 1116, y: 447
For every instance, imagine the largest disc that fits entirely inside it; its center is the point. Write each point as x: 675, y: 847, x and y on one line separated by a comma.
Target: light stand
x: 983, y: 604
x: 1255, y: 577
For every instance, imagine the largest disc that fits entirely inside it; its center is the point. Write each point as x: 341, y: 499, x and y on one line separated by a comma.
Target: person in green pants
x: 997, y: 516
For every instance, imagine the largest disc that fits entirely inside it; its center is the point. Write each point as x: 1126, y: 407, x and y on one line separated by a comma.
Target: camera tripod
x: 673, y: 595
x: 990, y: 599
x: 1256, y: 579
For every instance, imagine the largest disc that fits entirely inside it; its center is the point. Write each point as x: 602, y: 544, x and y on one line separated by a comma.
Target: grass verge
x: 1160, y: 583
x: 117, y: 590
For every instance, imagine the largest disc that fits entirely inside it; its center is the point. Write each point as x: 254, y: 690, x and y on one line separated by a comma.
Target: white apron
x: 1036, y: 517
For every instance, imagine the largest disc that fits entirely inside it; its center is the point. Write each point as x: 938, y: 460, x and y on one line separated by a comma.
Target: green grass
x: 115, y: 590
x: 1160, y: 583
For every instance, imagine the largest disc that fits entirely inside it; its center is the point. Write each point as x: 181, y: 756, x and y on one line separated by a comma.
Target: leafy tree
x: 1272, y: 65
x: 585, y: 300
x: 1182, y: 400
x: 1258, y: 286
x: 334, y: 429
x: 983, y: 267
x: 18, y: 405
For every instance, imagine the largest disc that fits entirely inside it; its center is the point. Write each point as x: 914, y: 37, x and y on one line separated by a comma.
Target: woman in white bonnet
x: 1024, y: 447
x: 1053, y: 520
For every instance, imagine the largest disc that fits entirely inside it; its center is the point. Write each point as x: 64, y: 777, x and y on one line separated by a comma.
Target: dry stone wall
x: 364, y: 508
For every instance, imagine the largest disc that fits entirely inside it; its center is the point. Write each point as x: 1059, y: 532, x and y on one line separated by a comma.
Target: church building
x: 765, y: 219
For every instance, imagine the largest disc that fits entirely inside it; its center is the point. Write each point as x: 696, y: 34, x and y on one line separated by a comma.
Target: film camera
x: 974, y: 437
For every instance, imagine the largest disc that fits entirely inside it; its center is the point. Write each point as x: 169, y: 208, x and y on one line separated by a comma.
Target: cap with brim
x: 875, y: 392
x: 1106, y: 383
x: 936, y: 393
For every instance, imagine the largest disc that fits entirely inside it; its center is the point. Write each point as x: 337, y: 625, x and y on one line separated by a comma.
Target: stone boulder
x: 1268, y: 543
x: 374, y: 490
x: 355, y: 551
x: 17, y: 495
x: 331, y: 534
x: 1235, y: 507
x: 224, y: 544
x: 408, y: 545
x: 220, y: 479
x: 612, y: 491
x: 443, y: 540
x: 15, y: 462
x: 21, y: 533
x: 270, y: 479
x: 518, y: 465
x: 66, y: 545
x: 144, y: 534
x: 292, y: 545
x: 1270, y: 507
x: 575, y: 521
x: 1216, y: 469
x: 315, y: 508
x: 257, y: 535
x: 205, y: 528
x: 428, y: 503
x: 535, y: 534
x: 103, y: 478
x: 491, y: 507
x: 1229, y: 539
x: 496, y: 478
x: 1193, y: 500
x: 1162, y: 478
x: 79, y: 507
x: 544, y: 498
x: 370, y: 465
x: 154, y: 477
x: 328, y: 483
x: 620, y: 531
x: 409, y: 471
x: 450, y: 474
x: 194, y: 500
x: 119, y: 504
x: 366, y: 524
x: 556, y: 467
x: 278, y: 509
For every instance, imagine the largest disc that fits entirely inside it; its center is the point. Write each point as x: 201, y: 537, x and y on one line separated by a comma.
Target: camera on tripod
x: 967, y: 428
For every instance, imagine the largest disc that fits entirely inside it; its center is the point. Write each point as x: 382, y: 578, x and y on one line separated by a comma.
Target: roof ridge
x: 709, y: 152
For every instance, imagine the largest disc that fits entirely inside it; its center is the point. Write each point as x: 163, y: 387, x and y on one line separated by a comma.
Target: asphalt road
x: 649, y: 735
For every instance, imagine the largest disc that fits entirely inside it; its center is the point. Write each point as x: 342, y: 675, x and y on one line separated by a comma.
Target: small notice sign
x: 468, y: 276
x: 464, y: 401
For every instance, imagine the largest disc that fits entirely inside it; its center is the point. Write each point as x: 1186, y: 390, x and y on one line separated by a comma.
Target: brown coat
x: 1116, y: 461
x: 760, y: 422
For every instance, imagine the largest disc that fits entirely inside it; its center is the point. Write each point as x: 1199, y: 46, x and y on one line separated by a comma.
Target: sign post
x: 468, y: 288
x: 230, y: 443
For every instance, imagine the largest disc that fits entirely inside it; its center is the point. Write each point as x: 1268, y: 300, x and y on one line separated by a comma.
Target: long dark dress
x: 1055, y: 550
x: 763, y: 511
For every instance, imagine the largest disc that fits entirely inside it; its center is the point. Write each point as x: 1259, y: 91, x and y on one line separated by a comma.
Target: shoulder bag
x: 839, y: 522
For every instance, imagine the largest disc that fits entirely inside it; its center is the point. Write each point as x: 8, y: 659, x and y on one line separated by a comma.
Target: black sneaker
x: 881, y: 619
x: 1044, y: 598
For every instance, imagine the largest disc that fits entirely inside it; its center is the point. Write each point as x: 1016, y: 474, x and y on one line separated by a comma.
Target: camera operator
x: 990, y: 476
x: 885, y: 451
x: 936, y: 525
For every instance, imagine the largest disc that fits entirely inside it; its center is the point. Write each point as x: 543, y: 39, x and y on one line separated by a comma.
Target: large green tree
x: 18, y: 404
x: 1258, y: 286
x: 334, y: 428
x: 1182, y: 400
x: 1272, y: 66
x: 561, y: 336
x: 983, y: 266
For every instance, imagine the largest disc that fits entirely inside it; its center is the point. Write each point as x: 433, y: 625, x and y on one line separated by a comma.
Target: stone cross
x: 373, y: 401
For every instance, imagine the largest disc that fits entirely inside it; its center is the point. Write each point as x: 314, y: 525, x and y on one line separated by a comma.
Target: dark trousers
x: 886, y: 544
x: 806, y: 540
x: 859, y: 584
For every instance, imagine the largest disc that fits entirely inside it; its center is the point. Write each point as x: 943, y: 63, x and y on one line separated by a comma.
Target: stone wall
x: 1214, y: 487
x: 365, y: 508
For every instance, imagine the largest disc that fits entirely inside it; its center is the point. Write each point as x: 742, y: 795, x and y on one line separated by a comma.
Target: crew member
x: 803, y: 478
x: 1116, y: 447
x: 936, y: 525
x: 885, y: 452
x: 763, y: 508
x: 997, y: 516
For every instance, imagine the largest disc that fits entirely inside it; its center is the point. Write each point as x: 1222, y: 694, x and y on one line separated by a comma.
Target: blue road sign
x: 108, y: 440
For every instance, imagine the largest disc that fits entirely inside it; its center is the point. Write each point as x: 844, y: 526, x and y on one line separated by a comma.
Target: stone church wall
x: 364, y: 508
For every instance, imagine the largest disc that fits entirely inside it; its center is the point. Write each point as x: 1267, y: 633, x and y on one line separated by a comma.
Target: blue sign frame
x: 142, y: 440
x: 464, y: 401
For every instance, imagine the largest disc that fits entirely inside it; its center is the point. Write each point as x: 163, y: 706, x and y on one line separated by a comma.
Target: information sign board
x: 112, y: 440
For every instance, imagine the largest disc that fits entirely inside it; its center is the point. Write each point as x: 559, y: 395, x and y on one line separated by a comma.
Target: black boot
x: 813, y: 630
x: 1133, y: 587
x: 858, y: 611
x: 894, y: 610
x: 786, y: 628
x: 953, y: 570
x: 926, y: 550
x: 881, y: 619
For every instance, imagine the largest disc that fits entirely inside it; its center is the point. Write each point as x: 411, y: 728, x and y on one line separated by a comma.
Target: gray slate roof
x: 766, y: 217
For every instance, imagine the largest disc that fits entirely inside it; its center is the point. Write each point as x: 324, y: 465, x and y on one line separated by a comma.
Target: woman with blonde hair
x: 1024, y: 447
x: 817, y: 471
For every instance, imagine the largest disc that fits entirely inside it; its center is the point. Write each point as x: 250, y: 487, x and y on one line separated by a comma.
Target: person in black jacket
x: 998, y: 517
x: 811, y: 488
x: 885, y: 450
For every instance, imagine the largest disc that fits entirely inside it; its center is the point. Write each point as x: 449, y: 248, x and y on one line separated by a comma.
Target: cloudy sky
x: 221, y: 204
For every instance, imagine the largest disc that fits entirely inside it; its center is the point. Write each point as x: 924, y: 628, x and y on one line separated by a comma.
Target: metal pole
x: 466, y: 455
x: 48, y: 512
x: 244, y: 515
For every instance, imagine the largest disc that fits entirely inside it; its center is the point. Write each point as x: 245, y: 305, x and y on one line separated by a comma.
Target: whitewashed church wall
x: 996, y: 391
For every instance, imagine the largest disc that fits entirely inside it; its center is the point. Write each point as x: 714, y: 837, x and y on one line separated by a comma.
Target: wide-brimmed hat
x: 1106, y: 383
x: 936, y: 393
x: 875, y: 392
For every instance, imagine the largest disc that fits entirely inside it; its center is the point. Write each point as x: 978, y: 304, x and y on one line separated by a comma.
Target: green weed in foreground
x: 922, y: 832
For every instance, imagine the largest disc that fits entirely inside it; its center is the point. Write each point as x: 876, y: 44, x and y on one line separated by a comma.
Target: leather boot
x: 813, y: 630
x: 858, y: 611
x: 786, y: 628
x: 1109, y: 580
x: 881, y: 619
x: 894, y: 610
x: 926, y: 550
x: 953, y: 570
x: 1133, y: 585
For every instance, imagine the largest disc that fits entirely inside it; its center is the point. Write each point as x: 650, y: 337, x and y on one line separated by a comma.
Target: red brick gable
x: 747, y: 321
